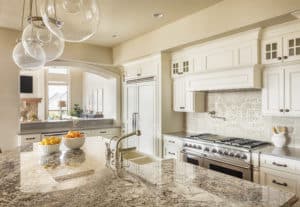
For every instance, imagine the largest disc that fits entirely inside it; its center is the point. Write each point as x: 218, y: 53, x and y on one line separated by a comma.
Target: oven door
x: 192, y: 158
x: 236, y: 171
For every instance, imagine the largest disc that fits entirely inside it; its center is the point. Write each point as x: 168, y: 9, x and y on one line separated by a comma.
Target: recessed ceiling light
x: 115, y: 36
x: 157, y: 15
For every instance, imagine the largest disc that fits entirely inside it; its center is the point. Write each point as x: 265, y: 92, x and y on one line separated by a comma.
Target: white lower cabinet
x: 28, y: 138
x: 280, y: 173
x: 172, y: 147
x: 280, y: 91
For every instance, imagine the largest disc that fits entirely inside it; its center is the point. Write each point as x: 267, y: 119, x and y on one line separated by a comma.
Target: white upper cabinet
x: 142, y: 68
x: 271, y: 50
x: 181, y: 66
x: 234, y: 51
x: 281, y: 43
x: 273, y: 92
x: 292, y: 87
x: 280, y: 94
x: 291, y: 46
x: 184, y: 100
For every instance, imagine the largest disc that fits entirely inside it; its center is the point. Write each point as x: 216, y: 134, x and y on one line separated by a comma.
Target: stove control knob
x: 190, y: 145
x: 231, y: 154
x: 220, y: 152
x: 206, y: 149
x: 199, y: 147
x: 214, y: 151
x: 237, y: 155
x: 244, y: 157
x: 185, y: 145
x: 225, y: 153
x: 194, y: 146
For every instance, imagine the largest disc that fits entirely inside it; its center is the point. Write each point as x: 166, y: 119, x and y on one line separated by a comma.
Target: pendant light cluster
x: 59, y: 21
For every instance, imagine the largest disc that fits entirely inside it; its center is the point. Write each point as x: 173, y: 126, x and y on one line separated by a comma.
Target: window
x: 58, y: 93
x: 57, y: 100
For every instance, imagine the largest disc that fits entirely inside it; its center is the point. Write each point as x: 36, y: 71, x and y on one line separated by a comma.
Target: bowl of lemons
x: 74, y: 139
x: 49, y: 145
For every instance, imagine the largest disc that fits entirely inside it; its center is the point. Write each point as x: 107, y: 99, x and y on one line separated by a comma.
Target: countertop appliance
x: 229, y: 155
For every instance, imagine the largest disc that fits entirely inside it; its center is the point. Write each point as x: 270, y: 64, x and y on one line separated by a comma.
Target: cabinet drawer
x: 278, y: 163
x: 30, y: 138
x: 282, y: 181
x: 109, y: 132
x: 171, y: 152
x: 172, y: 141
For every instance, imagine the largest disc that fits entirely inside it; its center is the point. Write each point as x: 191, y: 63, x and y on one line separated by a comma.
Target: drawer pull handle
x: 30, y: 138
x: 279, y: 165
x: 103, y: 132
x: 171, y: 141
x: 171, y: 153
x: 277, y: 183
x: 279, y: 58
x: 181, y: 107
x: 281, y: 110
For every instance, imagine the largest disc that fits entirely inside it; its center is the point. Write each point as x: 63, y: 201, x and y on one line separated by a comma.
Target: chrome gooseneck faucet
x: 115, y: 158
x: 213, y: 115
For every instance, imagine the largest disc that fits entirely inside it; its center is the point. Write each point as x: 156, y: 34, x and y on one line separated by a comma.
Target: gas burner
x: 241, y: 142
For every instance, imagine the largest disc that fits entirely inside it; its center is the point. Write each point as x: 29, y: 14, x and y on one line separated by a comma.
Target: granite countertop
x: 286, y: 152
x: 181, y: 134
x: 81, y: 178
x: 62, y: 129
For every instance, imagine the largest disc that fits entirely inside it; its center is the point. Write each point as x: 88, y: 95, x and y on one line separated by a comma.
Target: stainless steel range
x: 228, y: 155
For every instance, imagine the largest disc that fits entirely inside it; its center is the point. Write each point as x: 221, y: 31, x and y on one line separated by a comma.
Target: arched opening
x: 67, y: 90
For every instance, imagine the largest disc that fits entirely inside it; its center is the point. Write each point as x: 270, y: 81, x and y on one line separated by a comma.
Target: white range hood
x: 249, y: 77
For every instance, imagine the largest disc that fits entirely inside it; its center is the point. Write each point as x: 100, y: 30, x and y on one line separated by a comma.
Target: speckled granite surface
x: 28, y: 179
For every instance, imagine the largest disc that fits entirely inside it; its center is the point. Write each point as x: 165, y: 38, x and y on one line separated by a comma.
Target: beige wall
x: 9, y: 96
x: 9, y: 80
x: 223, y: 17
x: 87, y: 53
x: 76, y: 87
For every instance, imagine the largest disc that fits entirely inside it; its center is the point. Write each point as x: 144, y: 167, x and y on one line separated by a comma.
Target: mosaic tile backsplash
x: 242, y: 111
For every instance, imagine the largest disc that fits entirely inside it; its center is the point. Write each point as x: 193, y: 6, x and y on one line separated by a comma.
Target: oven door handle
x: 228, y: 163
x: 193, y: 155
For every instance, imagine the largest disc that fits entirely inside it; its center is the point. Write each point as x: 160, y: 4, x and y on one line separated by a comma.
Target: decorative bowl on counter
x: 74, y: 140
x: 49, y: 145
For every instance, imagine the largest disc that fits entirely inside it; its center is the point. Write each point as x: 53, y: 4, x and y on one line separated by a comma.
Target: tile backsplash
x: 242, y: 111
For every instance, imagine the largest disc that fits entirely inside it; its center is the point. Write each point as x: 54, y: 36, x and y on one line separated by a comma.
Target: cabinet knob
x: 287, y: 110
x: 138, y: 74
x: 179, y: 73
x: 279, y: 58
x: 281, y: 110
x: 285, y: 57
x: 181, y: 107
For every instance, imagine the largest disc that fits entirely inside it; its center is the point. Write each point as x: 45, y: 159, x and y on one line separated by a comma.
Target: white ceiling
x: 125, y: 18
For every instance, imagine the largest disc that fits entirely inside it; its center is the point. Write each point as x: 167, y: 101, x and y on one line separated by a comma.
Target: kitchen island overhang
x: 28, y: 179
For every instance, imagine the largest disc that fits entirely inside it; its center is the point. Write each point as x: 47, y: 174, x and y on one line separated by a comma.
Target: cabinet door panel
x: 132, y: 71
x: 179, y: 94
x: 149, y: 68
x: 292, y: 87
x: 291, y: 46
x: 146, y: 118
x: 131, y: 106
x: 220, y: 59
x: 272, y: 50
x: 273, y: 92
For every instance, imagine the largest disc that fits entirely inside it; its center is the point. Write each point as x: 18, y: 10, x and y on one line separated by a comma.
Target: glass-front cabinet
x: 291, y: 46
x: 182, y: 66
x: 271, y: 51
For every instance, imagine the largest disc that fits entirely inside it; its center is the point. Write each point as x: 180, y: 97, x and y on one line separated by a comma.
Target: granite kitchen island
x: 81, y: 178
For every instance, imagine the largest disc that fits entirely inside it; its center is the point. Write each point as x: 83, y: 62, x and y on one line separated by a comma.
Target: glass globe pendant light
x: 78, y: 19
x: 37, y: 33
x: 25, y: 61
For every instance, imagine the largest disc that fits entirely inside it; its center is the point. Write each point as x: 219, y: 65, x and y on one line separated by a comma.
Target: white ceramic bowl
x: 74, y: 143
x: 48, y: 149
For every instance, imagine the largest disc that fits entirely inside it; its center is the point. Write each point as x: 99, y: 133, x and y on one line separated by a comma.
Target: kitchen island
x: 81, y: 178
